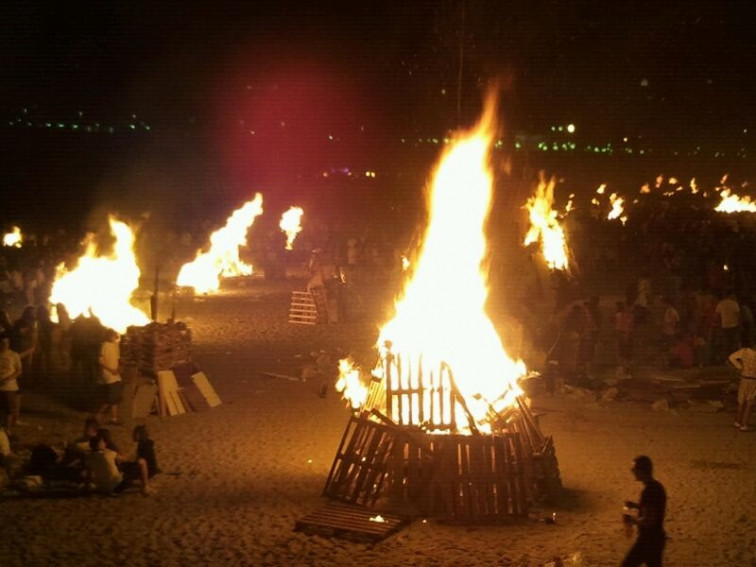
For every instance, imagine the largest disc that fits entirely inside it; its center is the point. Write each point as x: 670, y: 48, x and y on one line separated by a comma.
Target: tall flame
x: 291, y: 224
x: 545, y: 227
x: 222, y: 260
x: 13, y: 238
x: 102, y: 285
x: 441, y: 321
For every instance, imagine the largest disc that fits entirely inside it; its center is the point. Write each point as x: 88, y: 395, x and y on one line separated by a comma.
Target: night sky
x: 199, y: 103
x: 663, y: 65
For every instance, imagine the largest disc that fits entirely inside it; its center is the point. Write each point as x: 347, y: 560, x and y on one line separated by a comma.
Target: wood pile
x: 156, y: 346
x: 458, y: 478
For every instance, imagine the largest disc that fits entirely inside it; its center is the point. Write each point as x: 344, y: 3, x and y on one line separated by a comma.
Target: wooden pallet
x: 360, y: 467
x: 479, y: 478
x: 303, y: 309
x: 350, y: 522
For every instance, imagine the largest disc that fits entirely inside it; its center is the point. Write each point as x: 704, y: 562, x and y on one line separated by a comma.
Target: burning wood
x: 291, y: 224
x: 618, y: 207
x: 102, y: 285
x: 222, y: 259
x: 13, y: 238
x: 545, y: 227
x: 440, y: 325
x: 443, y: 382
x: 732, y: 203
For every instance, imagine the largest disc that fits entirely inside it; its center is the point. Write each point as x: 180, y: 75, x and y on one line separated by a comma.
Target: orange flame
x: 732, y: 203
x: 441, y: 321
x: 618, y: 207
x: 291, y: 224
x: 545, y: 227
x: 13, y: 238
x: 222, y: 260
x: 102, y: 285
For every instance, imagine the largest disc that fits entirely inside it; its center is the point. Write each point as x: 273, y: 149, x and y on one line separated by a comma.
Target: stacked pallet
x: 156, y: 347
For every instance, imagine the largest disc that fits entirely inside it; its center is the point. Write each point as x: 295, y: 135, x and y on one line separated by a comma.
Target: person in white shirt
x: 110, y: 378
x: 111, y: 472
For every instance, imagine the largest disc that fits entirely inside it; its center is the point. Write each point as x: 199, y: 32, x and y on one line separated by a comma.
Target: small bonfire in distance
x: 222, y: 260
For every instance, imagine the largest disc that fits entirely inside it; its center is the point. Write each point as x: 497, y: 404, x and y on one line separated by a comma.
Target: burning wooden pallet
x: 457, y: 478
x: 350, y: 522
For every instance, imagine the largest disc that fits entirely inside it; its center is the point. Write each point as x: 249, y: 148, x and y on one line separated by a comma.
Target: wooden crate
x: 350, y: 522
x: 359, y: 469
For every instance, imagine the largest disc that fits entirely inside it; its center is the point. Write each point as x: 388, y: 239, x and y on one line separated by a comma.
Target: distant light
x: 624, y: 139
x: 644, y: 82
x: 571, y: 128
x: 443, y: 92
x: 745, y: 130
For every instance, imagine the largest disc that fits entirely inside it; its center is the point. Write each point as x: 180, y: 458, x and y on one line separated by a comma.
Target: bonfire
x: 222, y: 260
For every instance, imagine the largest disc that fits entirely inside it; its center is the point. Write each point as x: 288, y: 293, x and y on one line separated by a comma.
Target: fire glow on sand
x: 102, y: 285
x: 440, y: 323
x: 291, y: 224
x: 222, y: 259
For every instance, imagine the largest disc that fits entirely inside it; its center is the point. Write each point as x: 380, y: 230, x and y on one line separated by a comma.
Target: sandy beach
x: 237, y: 477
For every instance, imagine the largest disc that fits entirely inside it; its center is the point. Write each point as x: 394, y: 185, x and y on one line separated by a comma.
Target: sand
x: 237, y: 477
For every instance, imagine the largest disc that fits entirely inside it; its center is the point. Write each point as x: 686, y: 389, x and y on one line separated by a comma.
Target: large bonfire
x: 440, y: 329
x: 102, y: 284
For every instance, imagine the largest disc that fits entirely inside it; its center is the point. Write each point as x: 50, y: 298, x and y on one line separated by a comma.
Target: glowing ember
x: 13, y: 238
x: 618, y: 207
x: 291, y: 224
x: 545, y: 227
x: 440, y: 326
x: 102, y: 285
x: 732, y: 203
x: 222, y: 260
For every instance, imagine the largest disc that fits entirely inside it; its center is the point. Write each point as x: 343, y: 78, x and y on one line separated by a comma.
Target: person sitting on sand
x: 146, y: 449
x: 110, y: 472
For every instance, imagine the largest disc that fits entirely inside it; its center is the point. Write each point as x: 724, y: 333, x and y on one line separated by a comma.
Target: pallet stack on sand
x: 156, y: 347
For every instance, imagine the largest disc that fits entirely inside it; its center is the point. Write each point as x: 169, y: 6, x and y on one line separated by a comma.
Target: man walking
x: 649, y: 546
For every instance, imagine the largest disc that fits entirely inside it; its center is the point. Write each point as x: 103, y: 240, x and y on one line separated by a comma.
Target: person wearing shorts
x: 744, y: 360
x: 110, y: 378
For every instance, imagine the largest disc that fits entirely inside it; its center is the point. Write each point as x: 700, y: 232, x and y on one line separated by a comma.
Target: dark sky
x: 604, y: 65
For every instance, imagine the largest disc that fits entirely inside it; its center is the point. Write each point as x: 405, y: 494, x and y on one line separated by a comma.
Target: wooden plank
x: 144, y: 401
x: 207, y: 390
